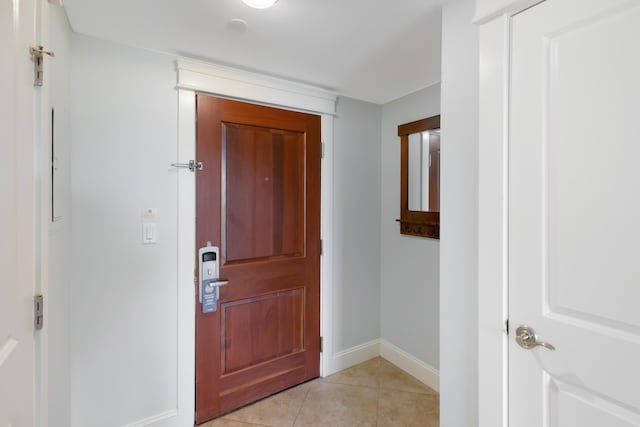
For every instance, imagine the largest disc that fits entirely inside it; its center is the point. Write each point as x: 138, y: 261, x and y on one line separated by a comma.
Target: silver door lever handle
x: 526, y: 338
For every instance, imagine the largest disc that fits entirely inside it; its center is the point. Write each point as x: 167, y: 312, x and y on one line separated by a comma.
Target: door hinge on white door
x: 321, y: 344
x: 322, y: 149
x: 38, y: 312
x: 506, y: 326
x: 38, y: 63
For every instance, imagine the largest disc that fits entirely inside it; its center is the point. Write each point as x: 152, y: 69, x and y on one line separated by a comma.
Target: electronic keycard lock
x: 208, y: 258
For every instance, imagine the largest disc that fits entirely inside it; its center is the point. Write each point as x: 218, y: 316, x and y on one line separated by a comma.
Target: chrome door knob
x: 526, y: 338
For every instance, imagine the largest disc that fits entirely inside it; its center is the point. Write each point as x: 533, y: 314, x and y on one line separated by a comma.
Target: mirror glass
x: 424, y: 171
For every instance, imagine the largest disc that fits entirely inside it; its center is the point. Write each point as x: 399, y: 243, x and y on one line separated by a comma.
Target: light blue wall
x: 356, y: 219
x: 410, y: 266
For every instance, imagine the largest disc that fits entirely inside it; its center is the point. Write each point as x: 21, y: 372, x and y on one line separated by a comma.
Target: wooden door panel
x: 262, y: 278
x: 258, y: 199
x: 243, y: 386
x: 258, y: 329
x: 262, y: 166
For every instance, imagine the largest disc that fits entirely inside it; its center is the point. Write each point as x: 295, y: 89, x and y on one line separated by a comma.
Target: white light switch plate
x: 149, y: 233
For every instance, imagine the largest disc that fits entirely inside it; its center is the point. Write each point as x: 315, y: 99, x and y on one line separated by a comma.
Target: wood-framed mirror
x: 420, y: 177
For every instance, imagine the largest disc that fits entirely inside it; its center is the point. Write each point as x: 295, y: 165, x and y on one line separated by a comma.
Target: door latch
x: 192, y: 165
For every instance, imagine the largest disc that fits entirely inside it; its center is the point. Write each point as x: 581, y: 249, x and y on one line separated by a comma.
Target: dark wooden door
x: 258, y: 200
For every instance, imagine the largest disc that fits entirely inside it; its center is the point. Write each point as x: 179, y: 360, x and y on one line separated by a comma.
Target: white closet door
x: 17, y: 213
x: 574, y: 214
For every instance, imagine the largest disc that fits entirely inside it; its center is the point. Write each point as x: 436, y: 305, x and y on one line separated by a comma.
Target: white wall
x: 459, y: 217
x: 59, y: 251
x: 356, y: 219
x: 409, y: 301
x: 123, y: 293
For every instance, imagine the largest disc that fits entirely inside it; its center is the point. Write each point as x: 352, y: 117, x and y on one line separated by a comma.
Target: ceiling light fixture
x: 260, y: 4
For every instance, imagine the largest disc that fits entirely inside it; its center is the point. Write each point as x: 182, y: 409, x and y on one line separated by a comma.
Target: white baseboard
x: 415, y: 367
x: 352, y: 356
x: 155, y: 420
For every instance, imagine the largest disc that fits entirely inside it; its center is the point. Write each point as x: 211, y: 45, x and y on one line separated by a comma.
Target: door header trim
x: 258, y: 88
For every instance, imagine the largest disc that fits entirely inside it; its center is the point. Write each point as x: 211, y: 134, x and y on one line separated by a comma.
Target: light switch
x: 149, y: 233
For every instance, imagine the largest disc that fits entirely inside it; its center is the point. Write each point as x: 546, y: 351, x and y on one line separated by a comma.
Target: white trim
x: 326, y: 233
x: 415, y: 367
x: 492, y: 223
x: 352, y: 356
x: 155, y: 419
x: 488, y: 10
x: 186, y: 260
x: 237, y: 84
x: 240, y: 84
x: 42, y: 133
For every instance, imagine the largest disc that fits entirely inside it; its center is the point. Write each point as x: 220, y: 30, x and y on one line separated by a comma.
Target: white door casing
x: 17, y: 213
x: 573, y: 209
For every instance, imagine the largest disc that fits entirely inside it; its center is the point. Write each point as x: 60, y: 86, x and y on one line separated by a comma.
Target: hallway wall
x: 459, y: 220
x: 59, y: 251
x: 123, y: 293
x: 356, y: 197
x: 410, y: 266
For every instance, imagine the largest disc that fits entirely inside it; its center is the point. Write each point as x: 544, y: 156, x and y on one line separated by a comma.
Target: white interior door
x: 574, y: 214
x: 17, y: 214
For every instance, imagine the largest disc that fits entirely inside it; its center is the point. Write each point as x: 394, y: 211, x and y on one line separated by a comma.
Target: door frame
x: 33, y: 171
x: 198, y: 77
x: 494, y: 19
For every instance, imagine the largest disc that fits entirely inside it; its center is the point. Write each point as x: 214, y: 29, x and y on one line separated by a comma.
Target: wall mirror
x: 420, y: 177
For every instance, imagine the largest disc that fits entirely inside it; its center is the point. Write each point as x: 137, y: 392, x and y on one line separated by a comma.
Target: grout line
x: 302, y: 404
x: 355, y: 385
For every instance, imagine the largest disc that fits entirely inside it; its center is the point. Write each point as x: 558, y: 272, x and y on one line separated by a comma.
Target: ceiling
x: 375, y: 51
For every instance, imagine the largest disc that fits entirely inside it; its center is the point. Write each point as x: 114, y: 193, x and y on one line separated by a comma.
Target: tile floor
x: 374, y: 393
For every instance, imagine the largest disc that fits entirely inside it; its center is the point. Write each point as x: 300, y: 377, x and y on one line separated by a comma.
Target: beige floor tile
x: 222, y: 422
x: 279, y: 410
x: 338, y: 405
x: 404, y: 409
x: 394, y: 378
x: 365, y: 374
x: 373, y: 393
